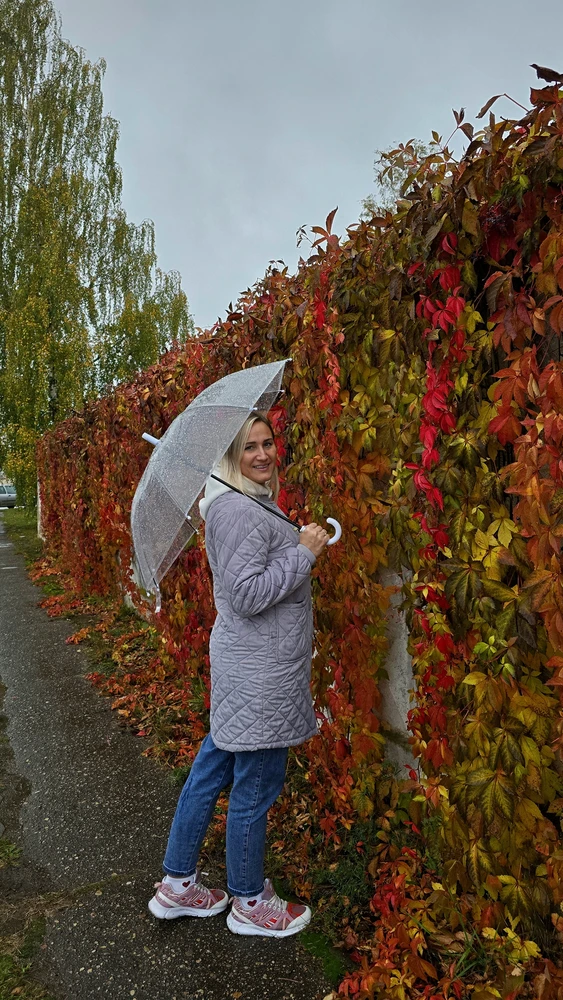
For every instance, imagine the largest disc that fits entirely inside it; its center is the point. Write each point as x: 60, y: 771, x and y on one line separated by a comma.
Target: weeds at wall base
x: 16, y: 965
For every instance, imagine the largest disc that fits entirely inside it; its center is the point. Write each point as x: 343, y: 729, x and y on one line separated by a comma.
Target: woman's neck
x: 256, y: 489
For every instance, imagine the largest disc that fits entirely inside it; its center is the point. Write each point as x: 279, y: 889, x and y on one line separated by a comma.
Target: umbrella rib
x: 264, y: 506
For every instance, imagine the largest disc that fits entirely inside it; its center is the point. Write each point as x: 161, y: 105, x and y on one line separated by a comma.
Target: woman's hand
x: 314, y: 538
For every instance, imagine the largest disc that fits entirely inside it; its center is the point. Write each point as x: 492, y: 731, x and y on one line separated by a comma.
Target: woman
x: 260, y: 651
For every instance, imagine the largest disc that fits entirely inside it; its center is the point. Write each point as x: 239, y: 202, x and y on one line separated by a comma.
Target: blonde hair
x: 229, y: 466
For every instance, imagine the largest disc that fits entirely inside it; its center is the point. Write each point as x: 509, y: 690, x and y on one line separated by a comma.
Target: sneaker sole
x: 172, y: 912
x: 251, y: 930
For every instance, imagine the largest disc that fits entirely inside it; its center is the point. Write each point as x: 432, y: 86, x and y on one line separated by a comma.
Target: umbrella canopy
x: 165, y: 514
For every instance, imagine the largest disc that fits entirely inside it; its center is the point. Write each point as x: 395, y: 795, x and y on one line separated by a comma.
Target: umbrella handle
x: 337, y: 530
x: 150, y: 438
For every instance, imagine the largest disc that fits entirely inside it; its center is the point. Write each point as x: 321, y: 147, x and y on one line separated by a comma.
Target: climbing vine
x: 424, y: 409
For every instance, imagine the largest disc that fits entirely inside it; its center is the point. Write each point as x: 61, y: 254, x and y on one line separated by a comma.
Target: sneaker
x: 196, y: 901
x: 269, y: 916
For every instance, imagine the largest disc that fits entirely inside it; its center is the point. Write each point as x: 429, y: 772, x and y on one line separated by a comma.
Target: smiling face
x: 259, y: 457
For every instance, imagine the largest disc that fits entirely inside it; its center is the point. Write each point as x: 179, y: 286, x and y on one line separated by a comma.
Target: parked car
x: 8, y: 496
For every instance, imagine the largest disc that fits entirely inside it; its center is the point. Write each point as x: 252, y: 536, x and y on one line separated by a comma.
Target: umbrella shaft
x: 264, y: 506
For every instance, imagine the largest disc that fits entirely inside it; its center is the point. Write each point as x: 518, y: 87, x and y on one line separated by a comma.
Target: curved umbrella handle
x: 337, y: 530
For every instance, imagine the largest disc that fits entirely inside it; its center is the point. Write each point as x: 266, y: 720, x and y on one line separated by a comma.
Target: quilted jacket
x: 261, y: 642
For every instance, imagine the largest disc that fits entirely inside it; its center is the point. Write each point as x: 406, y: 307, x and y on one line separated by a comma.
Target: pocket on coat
x: 294, y: 631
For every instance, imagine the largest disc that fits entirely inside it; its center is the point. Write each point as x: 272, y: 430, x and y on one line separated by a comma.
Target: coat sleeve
x: 251, y: 583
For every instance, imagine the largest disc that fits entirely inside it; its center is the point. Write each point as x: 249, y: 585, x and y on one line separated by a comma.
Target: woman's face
x: 259, y: 456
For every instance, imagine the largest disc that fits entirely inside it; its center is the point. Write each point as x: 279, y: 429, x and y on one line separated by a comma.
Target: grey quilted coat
x: 261, y: 642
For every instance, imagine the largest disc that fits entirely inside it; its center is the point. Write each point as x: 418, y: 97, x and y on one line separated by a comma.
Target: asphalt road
x: 92, y: 816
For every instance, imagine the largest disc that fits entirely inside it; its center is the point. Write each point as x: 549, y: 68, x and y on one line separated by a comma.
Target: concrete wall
x: 39, y: 527
x: 395, y: 697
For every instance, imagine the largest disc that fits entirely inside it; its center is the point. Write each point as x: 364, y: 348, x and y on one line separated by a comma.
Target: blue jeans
x: 257, y: 777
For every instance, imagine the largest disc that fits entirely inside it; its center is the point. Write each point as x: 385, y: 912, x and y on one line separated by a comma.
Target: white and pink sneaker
x: 195, y: 901
x: 267, y: 916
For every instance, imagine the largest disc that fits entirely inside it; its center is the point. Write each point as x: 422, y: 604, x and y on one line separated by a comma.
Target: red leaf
x: 330, y: 220
x: 506, y: 426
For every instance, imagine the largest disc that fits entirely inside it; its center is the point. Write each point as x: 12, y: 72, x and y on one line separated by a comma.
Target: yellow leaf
x: 475, y: 677
x: 528, y: 814
x: 530, y: 750
x: 482, y: 540
x: 470, y: 218
x: 531, y: 949
x: 506, y: 531
x: 461, y: 383
x: 489, y: 933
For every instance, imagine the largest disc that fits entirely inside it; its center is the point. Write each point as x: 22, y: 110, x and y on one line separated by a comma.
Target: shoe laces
x: 277, y: 904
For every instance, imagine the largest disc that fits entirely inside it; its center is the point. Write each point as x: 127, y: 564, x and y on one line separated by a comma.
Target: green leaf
x: 469, y: 275
x: 525, y: 632
x: 515, y: 897
x: 498, y: 591
x: 514, y: 748
x: 434, y: 230
x: 528, y: 813
x: 495, y: 752
x: 478, y: 861
x: 480, y: 776
x: 505, y: 621
x: 541, y: 896
x: 530, y: 750
x: 487, y: 802
x: 477, y: 732
x: 464, y: 585
x: 503, y: 793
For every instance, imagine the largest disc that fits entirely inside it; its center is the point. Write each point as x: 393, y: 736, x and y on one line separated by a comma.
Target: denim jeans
x: 257, y: 778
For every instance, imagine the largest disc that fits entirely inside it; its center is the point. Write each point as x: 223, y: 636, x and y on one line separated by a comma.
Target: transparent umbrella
x: 165, y: 513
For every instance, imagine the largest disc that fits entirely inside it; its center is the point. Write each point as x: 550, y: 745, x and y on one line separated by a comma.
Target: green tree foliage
x: 83, y: 304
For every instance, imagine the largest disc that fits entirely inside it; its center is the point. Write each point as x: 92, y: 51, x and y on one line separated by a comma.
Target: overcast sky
x: 242, y: 120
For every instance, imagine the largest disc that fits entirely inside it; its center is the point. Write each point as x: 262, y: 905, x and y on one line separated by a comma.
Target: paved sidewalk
x: 93, y: 817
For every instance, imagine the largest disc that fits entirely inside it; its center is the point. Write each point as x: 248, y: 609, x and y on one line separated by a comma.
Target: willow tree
x: 83, y: 304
